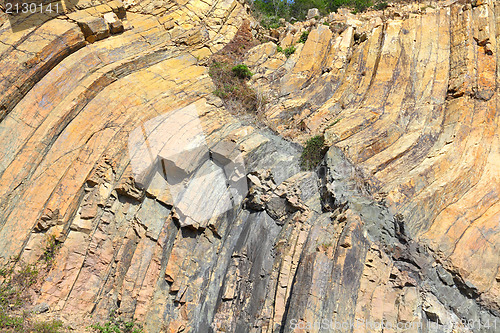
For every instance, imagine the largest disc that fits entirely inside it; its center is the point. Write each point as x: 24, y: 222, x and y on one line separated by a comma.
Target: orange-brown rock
x: 399, y: 224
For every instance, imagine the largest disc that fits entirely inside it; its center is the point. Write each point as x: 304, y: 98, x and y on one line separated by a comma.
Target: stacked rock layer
x: 400, y: 223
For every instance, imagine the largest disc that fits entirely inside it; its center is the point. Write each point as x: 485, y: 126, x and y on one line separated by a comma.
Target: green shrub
x: 270, y: 11
x: 289, y: 51
x: 230, y: 86
x: 242, y: 71
x: 270, y: 22
x: 303, y: 37
x: 53, y: 326
x: 313, y: 152
x: 10, y: 322
x: 381, y: 5
x: 15, y: 283
x: 117, y: 325
x: 220, y: 93
x: 51, y: 248
x: 362, y: 5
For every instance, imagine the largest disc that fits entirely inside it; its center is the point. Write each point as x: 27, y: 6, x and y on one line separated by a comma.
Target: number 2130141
x: 33, y: 8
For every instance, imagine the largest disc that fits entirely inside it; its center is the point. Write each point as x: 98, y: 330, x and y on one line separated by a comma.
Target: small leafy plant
x: 51, y: 247
x: 313, y: 152
x: 53, y: 326
x: 242, y: 71
x: 335, y: 122
x: 304, y: 36
x: 289, y: 51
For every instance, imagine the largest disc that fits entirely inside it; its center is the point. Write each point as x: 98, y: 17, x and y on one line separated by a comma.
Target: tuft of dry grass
x: 18, y: 282
x: 232, y: 89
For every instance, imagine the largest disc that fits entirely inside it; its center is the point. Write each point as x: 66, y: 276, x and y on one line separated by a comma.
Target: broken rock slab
x: 114, y: 23
x: 93, y: 28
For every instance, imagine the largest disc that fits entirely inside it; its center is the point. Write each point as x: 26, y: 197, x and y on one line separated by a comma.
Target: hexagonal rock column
x: 171, y: 159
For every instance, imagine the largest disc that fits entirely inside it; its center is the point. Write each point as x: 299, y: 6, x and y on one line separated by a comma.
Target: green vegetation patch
x: 304, y: 36
x: 269, y: 12
x: 313, y: 152
x: 242, y: 71
x: 231, y: 86
x: 16, y: 279
x: 288, y: 51
x: 117, y: 325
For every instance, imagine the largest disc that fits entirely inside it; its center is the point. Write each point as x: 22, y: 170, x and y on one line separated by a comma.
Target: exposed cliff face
x: 400, y: 222
x: 414, y: 107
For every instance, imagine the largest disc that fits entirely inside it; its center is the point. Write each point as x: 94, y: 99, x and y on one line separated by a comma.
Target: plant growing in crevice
x: 117, y: 325
x: 242, y: 71
x: 49, y: 253
x: 304, y: 36
x: 335, y: 122
x: 230, y: 75
x: 231, y: 86
x: 313, y: 152
x: 288, y: 51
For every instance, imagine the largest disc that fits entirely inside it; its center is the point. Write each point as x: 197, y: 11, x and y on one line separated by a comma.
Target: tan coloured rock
x: 115, y: 25
x: 413, y: 106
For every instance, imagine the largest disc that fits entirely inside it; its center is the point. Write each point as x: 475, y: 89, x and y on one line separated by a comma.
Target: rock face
x: 399, y: 224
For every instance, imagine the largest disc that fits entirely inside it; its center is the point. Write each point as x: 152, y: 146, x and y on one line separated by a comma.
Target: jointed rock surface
x: 400, y: 222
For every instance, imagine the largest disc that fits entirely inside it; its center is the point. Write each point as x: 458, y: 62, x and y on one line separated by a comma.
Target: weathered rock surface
x: 400, y: 223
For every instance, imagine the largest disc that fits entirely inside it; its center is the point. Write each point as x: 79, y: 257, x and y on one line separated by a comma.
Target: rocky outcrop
x: 399, y: 223
x: 410, y: 97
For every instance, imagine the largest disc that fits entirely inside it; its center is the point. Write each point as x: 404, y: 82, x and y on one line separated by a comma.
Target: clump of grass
x: 117, y: 325
x: 9, y: 322
x: 231, y: 86
x: 17, y: 281
x: 313, y: 152
x: 335, y: 122
x: 326, y: 245
x: 53, y: 326
x: 304, y: 36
